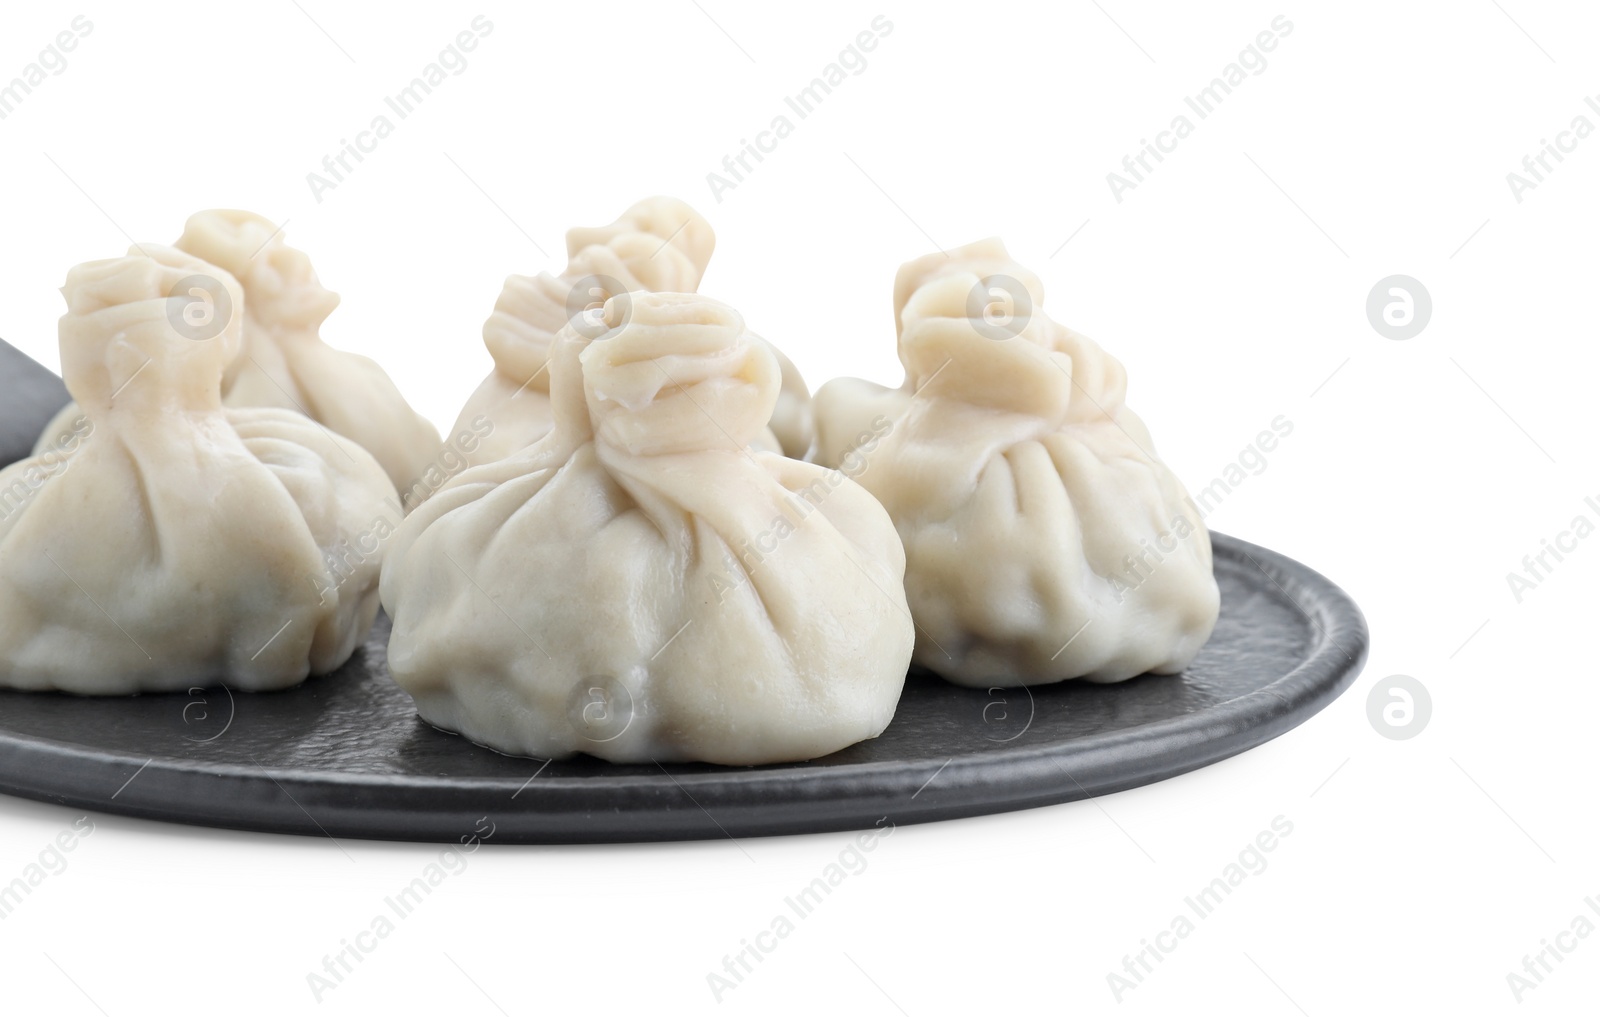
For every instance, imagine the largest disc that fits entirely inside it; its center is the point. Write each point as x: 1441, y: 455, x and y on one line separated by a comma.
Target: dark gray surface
x: 345, y: 755
x: 29, y: 396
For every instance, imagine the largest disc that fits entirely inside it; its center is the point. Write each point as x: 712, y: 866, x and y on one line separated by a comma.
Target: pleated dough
x: 639, y: 584
x: 181, y: 543
x: 1044, y: 540
x: 283, y: 361
x: 845, y: 407
x: 792, y: 431
x: 659, y: 245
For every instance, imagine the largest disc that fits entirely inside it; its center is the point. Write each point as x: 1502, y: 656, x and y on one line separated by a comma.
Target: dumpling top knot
x: 662, y: 240
x: 659, y: 244
x: 1002, y: 276
x: 949, y: 353
x: 522, y: 328
x: 674, y: 372
x: 980, y: 314
x: 155, y: 326
x: 283, y: 285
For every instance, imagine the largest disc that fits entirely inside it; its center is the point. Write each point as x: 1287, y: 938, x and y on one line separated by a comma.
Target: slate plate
x: 346, y: 756
x: 29, y: 396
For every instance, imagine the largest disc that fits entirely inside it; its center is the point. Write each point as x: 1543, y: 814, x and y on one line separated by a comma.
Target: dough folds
x: 283, y: 362
x: 178, y: 542
x: 659, y: 245
x: 1044, y: 540
x: 641, y: 585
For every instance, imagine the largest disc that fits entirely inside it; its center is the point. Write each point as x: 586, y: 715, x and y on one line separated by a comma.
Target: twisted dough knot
x: 677, y: 372
x: 168, y: 317
x: 283, y: 286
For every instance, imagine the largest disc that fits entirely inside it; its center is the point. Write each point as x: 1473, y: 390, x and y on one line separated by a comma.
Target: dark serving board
x: 29, y: 396
x: 345, y: 755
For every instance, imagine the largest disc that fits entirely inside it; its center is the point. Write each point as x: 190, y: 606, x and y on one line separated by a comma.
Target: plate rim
x: 754, y: 801
x: 776, y: 799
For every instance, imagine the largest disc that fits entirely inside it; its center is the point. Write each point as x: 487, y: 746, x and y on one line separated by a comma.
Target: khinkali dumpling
x: 184, y: 543
x: 1044, y: 540
x: 283, y: 361
x: 845, y: 407
x: 792, y: 431
x: 659, y: 245
x: 639, y: 584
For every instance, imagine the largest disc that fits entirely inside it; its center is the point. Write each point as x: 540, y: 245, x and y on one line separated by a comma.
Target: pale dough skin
x: 181, y: 543
x: 748, y: 608
x: 845, y: 407
x: 658, y: 245
x: 284, y: 363
x: 1044, y: 541
x: 792, y: 431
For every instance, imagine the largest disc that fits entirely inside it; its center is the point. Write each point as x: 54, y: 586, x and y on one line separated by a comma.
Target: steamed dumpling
x: 639, y: 584
x: 792, y: 431
x: 1044, y: 540
x: 184, y: 543
x: 666, y: 219
x: 845, y: 407
x: 287, y: 365
x: 283, y: 361
x: 659, y: 245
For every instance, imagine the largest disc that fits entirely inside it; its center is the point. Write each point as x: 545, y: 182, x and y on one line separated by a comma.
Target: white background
x: 1233, y: 284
